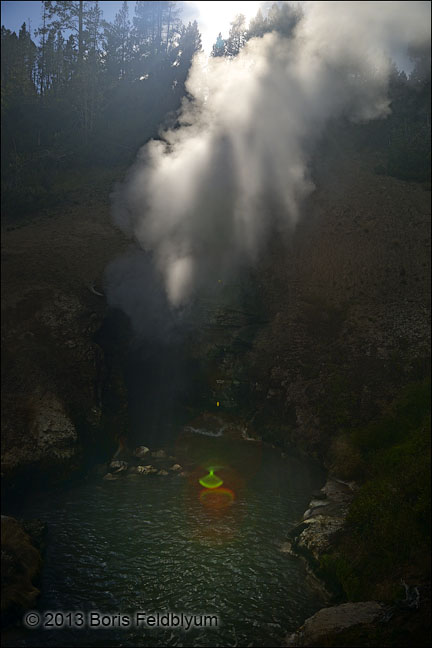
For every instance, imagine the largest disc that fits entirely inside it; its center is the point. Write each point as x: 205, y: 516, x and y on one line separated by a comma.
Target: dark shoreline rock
x: 324, y: 626
x: 21, y: 562
x: 322, y: 521
x: 365, y: 623
x: 36, y: 529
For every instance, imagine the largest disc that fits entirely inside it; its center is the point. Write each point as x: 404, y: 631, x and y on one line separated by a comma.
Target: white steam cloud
x: 204, y: 197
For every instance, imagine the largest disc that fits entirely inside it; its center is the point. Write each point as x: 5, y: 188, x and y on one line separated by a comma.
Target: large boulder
x: 321, y: 628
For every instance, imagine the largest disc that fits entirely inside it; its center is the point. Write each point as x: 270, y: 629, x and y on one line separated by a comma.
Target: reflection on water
x: 165, y: 543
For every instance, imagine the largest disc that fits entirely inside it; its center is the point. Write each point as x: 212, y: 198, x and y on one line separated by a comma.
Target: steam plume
x: 204, y: 198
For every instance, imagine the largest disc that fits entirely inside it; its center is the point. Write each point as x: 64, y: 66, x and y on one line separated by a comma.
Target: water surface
x: 149, y: 543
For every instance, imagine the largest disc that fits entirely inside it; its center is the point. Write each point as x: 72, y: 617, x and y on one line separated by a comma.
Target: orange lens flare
x: 216, y: 498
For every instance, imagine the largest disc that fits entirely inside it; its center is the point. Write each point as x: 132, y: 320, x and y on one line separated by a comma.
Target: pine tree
x: 117, y: 45
x: 172, y: 24
x: 27, y: 58
x: 218, y: 48
x: 68, y: 15
x: 237, y: 36
x: 155, y: 32
x: 70, y: 59
x: 190, y: 42
x: 280, y: 18
x: 258, y: 26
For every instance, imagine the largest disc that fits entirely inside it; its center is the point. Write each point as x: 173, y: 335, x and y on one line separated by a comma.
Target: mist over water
x: 204, y: 198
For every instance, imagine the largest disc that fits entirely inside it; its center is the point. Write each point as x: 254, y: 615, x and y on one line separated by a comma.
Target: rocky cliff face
x: 342, y: 310
x: 52, y: 370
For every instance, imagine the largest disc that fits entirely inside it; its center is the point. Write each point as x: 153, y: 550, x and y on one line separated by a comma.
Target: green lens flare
x: 211, y: 480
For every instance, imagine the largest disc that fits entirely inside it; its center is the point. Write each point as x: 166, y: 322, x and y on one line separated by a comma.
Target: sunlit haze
x: 215, y: 17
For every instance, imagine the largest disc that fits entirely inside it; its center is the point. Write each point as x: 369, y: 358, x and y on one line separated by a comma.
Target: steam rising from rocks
x: 204, y: 197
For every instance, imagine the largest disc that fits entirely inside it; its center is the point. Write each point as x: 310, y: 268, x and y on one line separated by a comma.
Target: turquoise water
x: 150, y: 544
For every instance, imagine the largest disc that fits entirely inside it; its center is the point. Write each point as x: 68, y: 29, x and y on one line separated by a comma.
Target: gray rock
x: 323, y: 519
x: 163, y: 472
x: 319, y: 507
x: 146, y: 470
x: 176, y: 467
x: 338, y: 491
x: 317, y: 536
x: 118, y: 466
x: 286, y: 548
x: 316, y: 503
x: 333, y: 620
x: 141, y: 451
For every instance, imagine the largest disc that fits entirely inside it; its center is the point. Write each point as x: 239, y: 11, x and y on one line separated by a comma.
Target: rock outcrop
x: 52, y: 369
x: 52, y: 441
x: 323, y: 628
x: 322, y: 521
